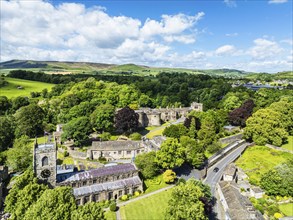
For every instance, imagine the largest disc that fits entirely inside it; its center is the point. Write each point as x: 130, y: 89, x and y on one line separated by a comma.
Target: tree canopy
x: 126, y: 120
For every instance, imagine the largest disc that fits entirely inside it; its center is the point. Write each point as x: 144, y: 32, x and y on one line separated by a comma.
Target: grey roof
x: 119, y: 184
x: 239, y: 206
x: 103, y: 171
x: 230, y: 170
x: 61, y: 169
x: 116, y: 145
x: 257, y: 189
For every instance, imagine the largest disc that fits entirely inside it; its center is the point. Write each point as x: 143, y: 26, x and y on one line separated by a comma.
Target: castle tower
x: 45, y: 156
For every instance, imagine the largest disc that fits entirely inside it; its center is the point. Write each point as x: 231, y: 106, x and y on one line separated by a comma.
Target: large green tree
x: 171, y: 154
x: 89, y: 211
x: 77, y: 129
x: 54, y: 204
x: 147, y: 165
x: 29, y: 121
x: 19, y: 157
x: 186, y: 202
x: 266, y: 126
x: 102, y: 119
x: 6, y: 132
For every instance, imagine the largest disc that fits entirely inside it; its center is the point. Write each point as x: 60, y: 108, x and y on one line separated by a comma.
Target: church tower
x: 44, y: 162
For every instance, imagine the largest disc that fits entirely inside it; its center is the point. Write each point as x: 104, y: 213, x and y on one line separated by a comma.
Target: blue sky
x: 247, y: 35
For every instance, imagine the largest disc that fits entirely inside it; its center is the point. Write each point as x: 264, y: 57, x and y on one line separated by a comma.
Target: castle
x: 154, y: 117
x: 97, y: 185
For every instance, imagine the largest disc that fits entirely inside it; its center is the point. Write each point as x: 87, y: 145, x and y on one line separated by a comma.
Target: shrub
x: 259, y: 208
x: 135, y: 136
x: 214, y: 147
x: 136, y: 193
x: 65, y: 154
x: 124, y: 197
x: 169, y: 176
x: 113, y: 207
x: 272, y: 209
x: 181, y: 180
x: 278, y: 215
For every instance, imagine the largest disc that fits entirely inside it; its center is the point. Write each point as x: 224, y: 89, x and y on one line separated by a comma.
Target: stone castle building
x: 93, y: 185
x: 155, y: 117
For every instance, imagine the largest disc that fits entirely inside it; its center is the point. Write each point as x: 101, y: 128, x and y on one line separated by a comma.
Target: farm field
x: 150, y: 208
x: 257, y: 160
x: 287, y: 209
x: 11, y: 90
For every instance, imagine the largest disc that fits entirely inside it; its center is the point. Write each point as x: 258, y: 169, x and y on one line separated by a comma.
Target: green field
x: 150, y: 208
x: 155, y: 184
x: 11, y: 90
x: 110, y: 215
x: 287, y: 209
x: 289, y: 145
x: 257, y: 160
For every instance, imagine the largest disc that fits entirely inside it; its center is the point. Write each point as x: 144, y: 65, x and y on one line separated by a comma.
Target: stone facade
x: 45, y: 156
x: 104, y: 183
x: 154, y: 117
x: 93, y: 185
x: 230, y: 173
x: 113, y: 150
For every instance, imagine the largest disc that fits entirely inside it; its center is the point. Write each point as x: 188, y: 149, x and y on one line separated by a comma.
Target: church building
x: 97, y: 185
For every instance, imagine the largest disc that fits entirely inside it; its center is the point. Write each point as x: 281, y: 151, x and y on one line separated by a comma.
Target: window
x: 86, y: 199
x: 45, y: 161
x: 84, y: 183
x: 137, y: 151
x: 78, y: 202
x: 120, y: 193
x: 115, y: 152
x: 73, y: 184
x: 120, y: 152
x: 128, y: 152
x: 96, y: 197
x: 94, y: 181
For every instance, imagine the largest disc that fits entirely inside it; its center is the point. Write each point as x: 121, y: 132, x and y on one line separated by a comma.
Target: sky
x: 249, y: 35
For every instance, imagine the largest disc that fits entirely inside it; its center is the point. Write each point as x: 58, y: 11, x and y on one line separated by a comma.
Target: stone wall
x: 230, y: 139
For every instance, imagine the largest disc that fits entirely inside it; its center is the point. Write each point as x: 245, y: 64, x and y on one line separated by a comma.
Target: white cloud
x: 232, y: 35
x: 230, y: 3
x: 264, y: 49
x: 225, y: 50
x: 287, y: 41
x: 186, y: 39
x: 277, y: 1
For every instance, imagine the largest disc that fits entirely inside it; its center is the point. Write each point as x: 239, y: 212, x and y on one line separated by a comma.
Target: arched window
x: 45, y: 161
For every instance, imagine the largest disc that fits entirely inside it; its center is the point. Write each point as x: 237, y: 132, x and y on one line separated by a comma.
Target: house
x: 256, y: 192
x: 230, y: 173
x: 234, y: 204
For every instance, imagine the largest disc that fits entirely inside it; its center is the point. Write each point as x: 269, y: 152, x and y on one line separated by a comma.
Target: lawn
x: 149, y: 208
x: 110, y: 215
x: 28, y: 86
x: 289, y: 145
x: 287, y: 209
x: 155, y: 184
x: 155, y: 130
x: 257, y: 160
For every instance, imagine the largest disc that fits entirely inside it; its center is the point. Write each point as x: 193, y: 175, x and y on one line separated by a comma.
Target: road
x: 213, y: 177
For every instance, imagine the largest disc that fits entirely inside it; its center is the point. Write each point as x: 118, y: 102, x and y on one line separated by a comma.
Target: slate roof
x: 96, y: 188
x: 239, y: 206
x: 116, y: 145
x: 103, y: 171
x: 230, y: 170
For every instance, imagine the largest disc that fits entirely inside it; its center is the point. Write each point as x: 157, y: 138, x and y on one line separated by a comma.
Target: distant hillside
x: 53, y: 67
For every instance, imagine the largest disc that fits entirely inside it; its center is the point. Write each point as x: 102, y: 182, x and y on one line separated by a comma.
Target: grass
x: 65, y: 160
x: 289, y: 145
x: 149, y: 208
x: 155, y: 130
x: 257, y: 160
x: 110, y: 215
x: 286, y: 209
x: 28, y: 86
x: 154, y: 184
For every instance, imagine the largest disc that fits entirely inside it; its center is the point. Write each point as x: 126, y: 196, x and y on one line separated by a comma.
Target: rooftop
x: 103, y: 171
x: 230, y: 170
x: 116, y: 145
x: 61, y: 169
x: 46, y: 145
x: 119, y: 184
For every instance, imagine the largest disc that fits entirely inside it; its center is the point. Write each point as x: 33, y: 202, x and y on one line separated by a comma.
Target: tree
x: 194, y: 152
x: 135, y: 136
x: 4, y: 104
x: 53, y: 204
x: 29, y: 121
x: 265, y: 126
x: 207, y: 133
x: 185, y: 202
x: 238, y: 116
x: 102, y: 118
x: 6, y: 133
x: 19, y: 102
x: 126, y: 120
x: 89, y: 211
x: 175, y: 131
x: 169, y: 176
x: 77, y: 129
x: 171, y: 154
x: 19, y: 157
x: 147, y: 165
